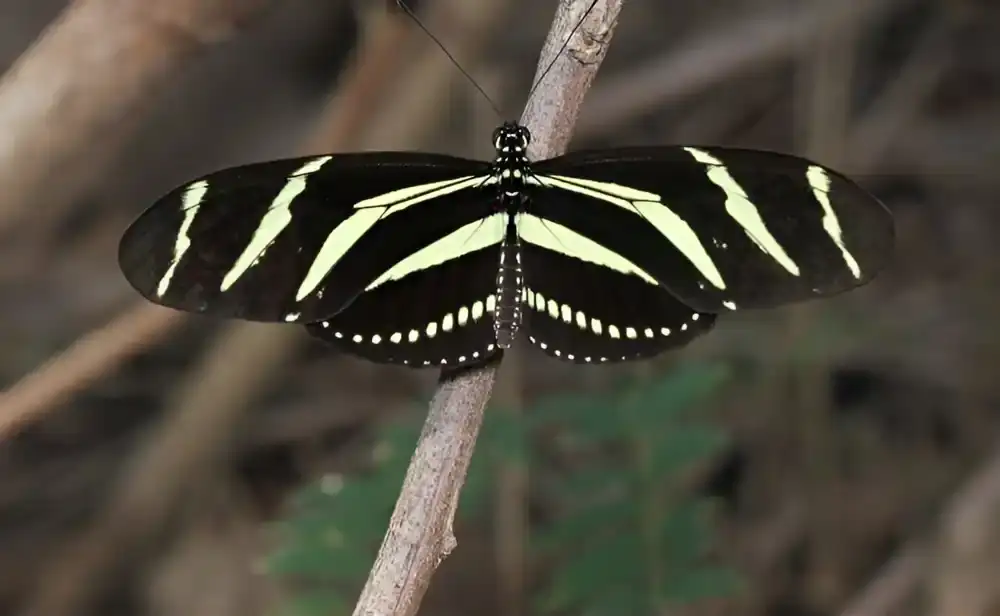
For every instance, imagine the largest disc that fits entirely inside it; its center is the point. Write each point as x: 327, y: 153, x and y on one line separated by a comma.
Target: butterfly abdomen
x: 510, y: 282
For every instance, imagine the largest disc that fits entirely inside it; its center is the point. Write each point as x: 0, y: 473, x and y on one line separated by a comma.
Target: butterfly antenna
x: 409, y: 12
x: 561, y: 49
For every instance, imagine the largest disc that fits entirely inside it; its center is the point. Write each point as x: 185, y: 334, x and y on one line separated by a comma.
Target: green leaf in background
x: 586, y: 484
x: 682, y: 446
x: 690, y: 585
x: 685, y: 533
x: 316, y: 602
x: 658, y: 416
x: 584, y: 414
x: 593, y: 522
x: 504, y: 436
x: 660, y: 402
x: 319, y: 562
x: 618, y: 603
x: 601, y: 541
x: 604, y: 567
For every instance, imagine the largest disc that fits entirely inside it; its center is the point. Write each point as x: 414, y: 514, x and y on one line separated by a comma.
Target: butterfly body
x: 509, y: 170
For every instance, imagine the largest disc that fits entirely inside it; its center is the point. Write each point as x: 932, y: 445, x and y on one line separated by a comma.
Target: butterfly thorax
x: 509, y: 168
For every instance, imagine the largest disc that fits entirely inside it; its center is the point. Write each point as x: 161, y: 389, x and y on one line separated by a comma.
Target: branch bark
x: 420, y: 533
x: 100, y: 61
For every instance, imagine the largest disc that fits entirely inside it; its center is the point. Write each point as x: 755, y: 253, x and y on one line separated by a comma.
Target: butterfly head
x: 511, y: 139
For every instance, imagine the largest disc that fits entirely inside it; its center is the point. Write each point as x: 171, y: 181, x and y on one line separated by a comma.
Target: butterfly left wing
x: 720, y: 228
x: 441, y: 315
x: 296, y: 240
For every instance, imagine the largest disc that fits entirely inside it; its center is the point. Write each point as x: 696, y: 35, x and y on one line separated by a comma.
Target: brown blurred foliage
x: 144, y: 450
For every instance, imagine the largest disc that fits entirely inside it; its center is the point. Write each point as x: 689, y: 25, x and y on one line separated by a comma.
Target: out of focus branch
x: 751, y: 41
x: 900, y: 102
x: 967, y: 569
x: 420, y: 533
x: 890, y: 591
x: 98, y: 63
x: 244, y: 361
x: 962, y: 566
x: 87, y: 360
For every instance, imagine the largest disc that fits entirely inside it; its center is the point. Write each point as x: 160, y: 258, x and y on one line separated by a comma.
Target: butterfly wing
x: 297, y: 240
x: 582, y: 312
x: 435, y: 316
x: 720, y: 228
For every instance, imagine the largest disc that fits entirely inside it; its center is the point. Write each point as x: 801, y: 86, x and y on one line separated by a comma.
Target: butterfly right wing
x: 585, y: 313
x: 297, y: 240
x: 720, y: 228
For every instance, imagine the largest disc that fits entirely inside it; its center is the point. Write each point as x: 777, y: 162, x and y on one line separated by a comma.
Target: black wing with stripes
x: 430, y: 260
x: 721, y: 228
x: 297, y: 240
x: 439, y: 316
x: 581, y: 312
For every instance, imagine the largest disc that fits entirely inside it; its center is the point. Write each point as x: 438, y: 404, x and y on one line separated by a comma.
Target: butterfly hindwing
x: 721, y: 228
x: 437, y: 316
x: 296, y: 240
x: 586, y: 313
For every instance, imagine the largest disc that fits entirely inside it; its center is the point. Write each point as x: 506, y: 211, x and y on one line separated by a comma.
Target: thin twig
x: 86, y: 360
x: 894, y: 585
x: 968, y: 530
x: 967, y: 561
x: 746, y: 43
x: 900, y: 102
x: 95, y: 65
x: 420, y: 533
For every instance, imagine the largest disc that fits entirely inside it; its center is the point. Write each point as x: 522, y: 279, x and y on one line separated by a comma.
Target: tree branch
x: 713, y: 57
x: 94, y: 66
x: 86, y: 360
x: 420, y: 531
x: 959, y: 567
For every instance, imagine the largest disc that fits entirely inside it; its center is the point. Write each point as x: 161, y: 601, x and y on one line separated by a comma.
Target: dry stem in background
x: 90, y: 70
x: 206, y: 407
x: 88, y: 359
x: 420, y: 533
x: 967, y: 569
x: 961, y: 564
x: 101, y: 351
x: 749, y: 41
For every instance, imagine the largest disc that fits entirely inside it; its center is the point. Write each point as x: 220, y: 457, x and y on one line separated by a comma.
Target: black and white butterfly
x: 432, y: 260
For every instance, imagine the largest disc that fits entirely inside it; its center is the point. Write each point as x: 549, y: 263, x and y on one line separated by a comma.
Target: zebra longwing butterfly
x: 430, y: 260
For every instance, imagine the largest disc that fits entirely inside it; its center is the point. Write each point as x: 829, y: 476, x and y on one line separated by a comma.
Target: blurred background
x: 834, y: 458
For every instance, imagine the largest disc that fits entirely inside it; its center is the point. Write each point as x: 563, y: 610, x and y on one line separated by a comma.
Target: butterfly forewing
x: 435, y: 316
x: 582, y: 312
x: 296, y: 240
x: 721, y: 228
